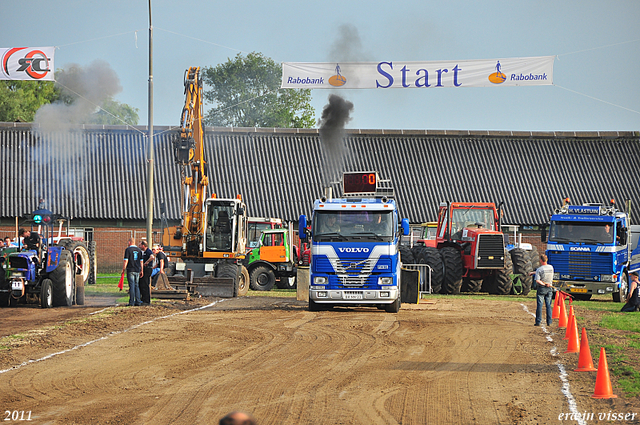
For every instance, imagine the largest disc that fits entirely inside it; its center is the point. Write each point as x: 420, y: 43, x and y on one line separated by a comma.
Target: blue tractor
x: 45, y: 275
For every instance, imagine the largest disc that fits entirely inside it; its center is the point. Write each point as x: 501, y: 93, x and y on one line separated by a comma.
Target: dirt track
x: 453, y: 361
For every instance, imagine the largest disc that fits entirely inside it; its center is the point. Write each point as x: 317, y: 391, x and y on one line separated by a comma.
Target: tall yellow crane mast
x: 212, y: 238
x: 189, y: 152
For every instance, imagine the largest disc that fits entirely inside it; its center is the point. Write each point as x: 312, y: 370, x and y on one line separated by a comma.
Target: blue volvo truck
x: 592, y: 249
x: 355, y: 241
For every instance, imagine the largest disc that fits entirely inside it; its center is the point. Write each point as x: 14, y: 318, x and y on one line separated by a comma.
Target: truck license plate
x: 353, y: 296
x: 579, y: 290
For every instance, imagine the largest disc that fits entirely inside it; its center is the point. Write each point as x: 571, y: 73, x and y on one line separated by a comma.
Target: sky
x: 596, y: 70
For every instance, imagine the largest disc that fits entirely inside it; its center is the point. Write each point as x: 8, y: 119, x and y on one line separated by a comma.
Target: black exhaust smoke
x: 335, y: 115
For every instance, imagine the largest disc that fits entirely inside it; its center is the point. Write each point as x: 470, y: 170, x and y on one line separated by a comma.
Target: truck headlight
x: 320, y: 280
x: 317, y: 288
x: 608, y: 277
x: 556, y: 276
x: 385, y: 281
x: 384, y: 294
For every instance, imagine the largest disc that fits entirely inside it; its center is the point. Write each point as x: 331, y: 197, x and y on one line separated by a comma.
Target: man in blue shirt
x: 133, y: 267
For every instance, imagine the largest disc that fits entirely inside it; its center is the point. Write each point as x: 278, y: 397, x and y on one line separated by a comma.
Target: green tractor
x: 273, y: 261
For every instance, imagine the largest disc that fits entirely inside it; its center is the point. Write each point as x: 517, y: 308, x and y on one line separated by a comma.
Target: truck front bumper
x: 354, y: 296
x: 584, y: 287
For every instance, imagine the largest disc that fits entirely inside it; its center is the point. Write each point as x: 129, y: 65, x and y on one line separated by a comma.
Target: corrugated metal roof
x: 99, y: 172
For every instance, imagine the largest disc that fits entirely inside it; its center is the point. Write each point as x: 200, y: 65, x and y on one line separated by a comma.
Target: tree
x: 19, y: 100
x: 245, y: 93
x: 115, y: 113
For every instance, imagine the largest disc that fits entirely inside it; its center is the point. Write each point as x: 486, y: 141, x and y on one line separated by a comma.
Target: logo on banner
x: 34, y: 63
x: 497, y: 77
x: 337, y: 80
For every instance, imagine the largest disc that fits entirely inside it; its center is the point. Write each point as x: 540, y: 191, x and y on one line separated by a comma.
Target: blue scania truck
x: 355, y: 242
x: 592, y: 249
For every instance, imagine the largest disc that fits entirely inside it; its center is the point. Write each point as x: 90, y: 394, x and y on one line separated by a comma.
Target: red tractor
x: 468, y: 252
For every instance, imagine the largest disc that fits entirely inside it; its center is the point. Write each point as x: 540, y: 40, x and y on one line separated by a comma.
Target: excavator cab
x: 225, y: 226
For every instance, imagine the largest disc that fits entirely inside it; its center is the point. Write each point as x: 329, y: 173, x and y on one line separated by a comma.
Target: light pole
x: 150, y: 161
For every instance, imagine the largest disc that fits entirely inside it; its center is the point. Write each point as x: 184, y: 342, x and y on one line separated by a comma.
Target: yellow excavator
x: 210, y: 243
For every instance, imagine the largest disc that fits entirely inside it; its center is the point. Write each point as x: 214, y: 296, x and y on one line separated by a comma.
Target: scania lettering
x: 354, y: 248
x: 592, y: 249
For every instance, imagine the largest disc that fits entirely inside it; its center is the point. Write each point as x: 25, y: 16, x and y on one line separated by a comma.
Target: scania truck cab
x: 592, y: 249
x: 354, y: 247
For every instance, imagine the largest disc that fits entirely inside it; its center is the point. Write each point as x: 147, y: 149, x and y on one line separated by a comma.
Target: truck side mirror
x: 302, y: 227
x: 406, y: 229
x: 543, y: 234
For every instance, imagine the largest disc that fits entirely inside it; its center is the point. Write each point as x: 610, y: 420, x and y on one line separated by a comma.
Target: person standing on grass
x: 133, y: 267
x: 544, y: 281
x: 633, y: 297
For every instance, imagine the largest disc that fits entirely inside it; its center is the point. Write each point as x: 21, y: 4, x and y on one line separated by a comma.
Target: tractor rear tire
x: 502, y: 282
x: 471, y: 285
x: 62, y: 279
x: 93, y: 256
x: 431, y: 257
x: 452, y: 262
x: 243, y: 283
x: 406, y: 255
x: 81, y: 257
x: 230, y: 271
x: 522, y: 268
x: 262, y: 279
x: 534, y: 256
x: 46, y: 294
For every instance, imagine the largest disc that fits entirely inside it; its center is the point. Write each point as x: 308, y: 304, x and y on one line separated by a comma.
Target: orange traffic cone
x: 567, y: 334
x: 562, y: 320
x: 574, y: 344
x: 556, y: 307
x: 585, y: 363
x: 603, y: 382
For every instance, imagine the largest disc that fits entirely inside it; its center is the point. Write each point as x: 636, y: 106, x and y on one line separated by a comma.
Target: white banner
x: 27, y: 63
x: 534, y: 71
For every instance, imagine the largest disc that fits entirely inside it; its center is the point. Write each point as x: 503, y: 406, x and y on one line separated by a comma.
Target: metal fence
x: 424, y: 277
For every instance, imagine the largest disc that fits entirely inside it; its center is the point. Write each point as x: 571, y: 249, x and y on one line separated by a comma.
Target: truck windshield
x: 255, y: 233
x: 353, y: 226
x: 577, y: 232
x: 472, y: 217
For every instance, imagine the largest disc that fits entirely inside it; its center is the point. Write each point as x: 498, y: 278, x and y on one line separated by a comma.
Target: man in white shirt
x: 544, y: 280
